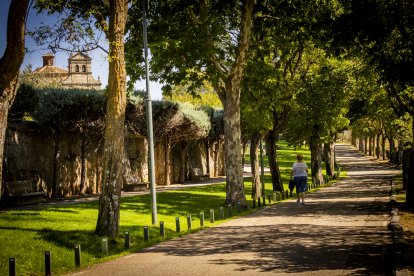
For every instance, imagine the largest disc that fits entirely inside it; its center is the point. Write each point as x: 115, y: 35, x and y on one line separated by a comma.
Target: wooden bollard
x: 201, y: 219
x: 229, y: 211
x: 12, y: 267
x: 254, y: 203
x: 162, y: 229
x: 269, y: 197
x: 77, y: 255
x: 211, y: 215
x: 177, y: 225
x: 221, y: 213
x: 127, y: 240
x: 189, y: 222
x: 287, y: 194
x: 238, y: 207
x: 259, y: 203
x: 146, y: 233
x: 283, y: 195
x: 105, y: 246
x: 264, y: 200
x: 48, y: 264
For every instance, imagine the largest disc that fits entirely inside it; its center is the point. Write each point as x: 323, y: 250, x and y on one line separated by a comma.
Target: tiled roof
x: 51, y: 69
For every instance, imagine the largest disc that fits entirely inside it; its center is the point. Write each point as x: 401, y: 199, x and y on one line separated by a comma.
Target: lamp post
x: 150, y: 136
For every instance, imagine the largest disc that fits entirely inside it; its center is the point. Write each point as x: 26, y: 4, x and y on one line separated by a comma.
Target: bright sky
x: 34, y: 55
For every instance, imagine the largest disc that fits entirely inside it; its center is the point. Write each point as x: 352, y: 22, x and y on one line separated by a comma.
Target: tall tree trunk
x: 234, y: 173
x: 366, y: 145
x: 410, y: 174
x: 378, y: 148
x: 207, y: 145
x: 167, y: 161
x: 83, y: 165
x: 370, y: 146
x: 393, y: 152
x: 272, y: 139
x: 56, y: 190
x: 183, y: 160
x: 109, y: 201
x: 329, y: 153
x: 244, y: 146
x: 254, y: 162
x: 361, y: 144
x: 316, y: 162
x: 405, y: 166
x: 383, y: 140
x: 400, y: 152
x: 216, y: 152
x: 10, y: 64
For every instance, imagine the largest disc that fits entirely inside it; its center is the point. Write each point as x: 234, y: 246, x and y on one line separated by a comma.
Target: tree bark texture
x: 329, y: 151
x: 183, y: 160
x: 383, y: 140
x: 393, y: 152
x: 244, y: 146
x: 316, y: 162
x: 207, y: 145
x: 410, y: 170
x: 254, y: 162
x: 378, y: 148
x: 216, y: 152
x: 361, y: 144
x: 10, y: 64
x: 109, y: 202
x: 272, y: 139
x: 232, y: 135
x: 366, y: 145
x: 410, y: 179
x: 370, y: 145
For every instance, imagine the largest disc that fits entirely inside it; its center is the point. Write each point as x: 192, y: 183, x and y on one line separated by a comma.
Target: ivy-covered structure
x: 63, y: 144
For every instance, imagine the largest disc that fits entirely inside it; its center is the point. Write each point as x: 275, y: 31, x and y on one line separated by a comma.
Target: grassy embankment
x: 27, y: 234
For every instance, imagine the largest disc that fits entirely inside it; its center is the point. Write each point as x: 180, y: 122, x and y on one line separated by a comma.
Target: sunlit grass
x: 26, y: 235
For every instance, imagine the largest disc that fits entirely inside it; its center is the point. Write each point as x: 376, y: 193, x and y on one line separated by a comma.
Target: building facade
x: 78, y: 75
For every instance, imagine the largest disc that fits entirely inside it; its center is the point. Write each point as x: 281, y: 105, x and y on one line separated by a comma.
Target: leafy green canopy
x: 77, y: 109
x: 190, y: 41
x: 69, y: 108
x: 172, y: 120
x: 321, y: 104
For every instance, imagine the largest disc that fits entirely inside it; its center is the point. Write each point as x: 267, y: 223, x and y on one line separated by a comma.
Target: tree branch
x: 14, y: 53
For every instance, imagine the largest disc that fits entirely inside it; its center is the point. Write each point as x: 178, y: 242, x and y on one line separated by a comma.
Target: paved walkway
x: 341, y: 230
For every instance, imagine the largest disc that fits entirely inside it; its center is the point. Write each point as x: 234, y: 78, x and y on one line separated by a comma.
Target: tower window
x: 83, y: 68
x: 76, y: 68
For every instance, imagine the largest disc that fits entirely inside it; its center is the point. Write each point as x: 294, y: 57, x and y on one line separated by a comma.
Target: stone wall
x: 71, y: 164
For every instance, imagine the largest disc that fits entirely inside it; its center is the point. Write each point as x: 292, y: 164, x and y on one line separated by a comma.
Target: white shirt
x: 299, y: 169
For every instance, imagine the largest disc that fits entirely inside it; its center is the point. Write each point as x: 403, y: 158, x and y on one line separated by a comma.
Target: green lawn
x: 26, y: 235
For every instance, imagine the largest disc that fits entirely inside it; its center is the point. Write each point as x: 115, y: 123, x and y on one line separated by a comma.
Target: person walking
x: 300, y: 176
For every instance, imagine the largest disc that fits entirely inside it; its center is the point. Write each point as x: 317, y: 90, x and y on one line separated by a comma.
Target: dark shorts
x: 301, y: 183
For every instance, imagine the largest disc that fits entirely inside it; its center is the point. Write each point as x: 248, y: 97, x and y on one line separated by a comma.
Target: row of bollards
x: 276, y: 196
x: 48, y: 265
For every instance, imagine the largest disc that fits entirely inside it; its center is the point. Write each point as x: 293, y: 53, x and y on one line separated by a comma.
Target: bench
x: 137, y: 186
x: 197, y: 175
x: 24, y: 192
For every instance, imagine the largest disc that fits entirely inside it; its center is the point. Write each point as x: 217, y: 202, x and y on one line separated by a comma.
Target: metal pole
x: 262, y: 171
x: 144, y: 6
